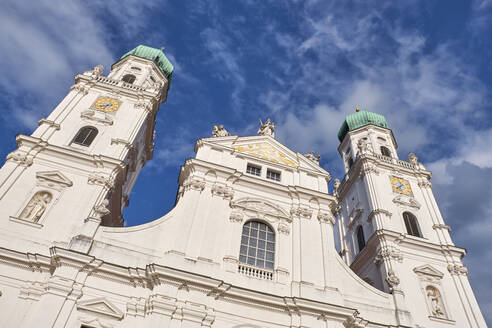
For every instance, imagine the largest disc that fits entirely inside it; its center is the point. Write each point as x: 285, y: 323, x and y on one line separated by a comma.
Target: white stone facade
x: 66, y: 260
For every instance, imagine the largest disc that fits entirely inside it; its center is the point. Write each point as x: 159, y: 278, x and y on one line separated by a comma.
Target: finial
x: 356, y: 108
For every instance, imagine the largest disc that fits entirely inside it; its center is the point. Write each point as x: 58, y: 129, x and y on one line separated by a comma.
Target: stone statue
x: 363, y: 146
x: 336, y: 185
x: 96, y: 71
x: 313, y: 157
x: 267, y: 129
x: 435, y: 301
x: 36, y: 206
x: 101, y: 209
x: 220, y: 131
x: 413, y: 159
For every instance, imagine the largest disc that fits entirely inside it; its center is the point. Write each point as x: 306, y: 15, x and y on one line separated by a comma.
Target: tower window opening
x: 152, y: 79
x: 350, y: 162
x: 257, y: 245
x: 361, y: 241
x: 385, y: 151
x: 411, y: 224
x: 273, y: 175
x: 129, y: 78
x: 253, y: 169
x: 85, y: 136
x: 135, y: 68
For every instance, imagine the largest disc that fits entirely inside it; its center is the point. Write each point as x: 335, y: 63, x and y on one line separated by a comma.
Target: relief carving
x: 194, y: 184
x: 392, y: 280
x: 406, y: 201
x: 301, y: 212
x: 283, y: 228
x: 425, y: 184
x: 222, y: 191
x: 236, y: 216
x: 100, y: 179
x: 326, y: 218
x: 101, y: 209
x: 457, y: 269
x: 96, y: 117
x: 19, y: 158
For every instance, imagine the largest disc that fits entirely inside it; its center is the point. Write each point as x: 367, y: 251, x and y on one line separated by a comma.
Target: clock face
x: 400, y: 185
x: 106, y: 104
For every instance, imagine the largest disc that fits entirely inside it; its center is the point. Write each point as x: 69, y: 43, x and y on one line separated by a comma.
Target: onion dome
x: 360, y: 119
x: 155, y: 55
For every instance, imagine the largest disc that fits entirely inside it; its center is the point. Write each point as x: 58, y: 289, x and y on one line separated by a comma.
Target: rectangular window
x: 273, y: 175
x: 252, y: 169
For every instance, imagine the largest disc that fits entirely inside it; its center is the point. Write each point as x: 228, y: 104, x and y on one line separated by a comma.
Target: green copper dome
x: 156, y: 55
x: 359, y: 119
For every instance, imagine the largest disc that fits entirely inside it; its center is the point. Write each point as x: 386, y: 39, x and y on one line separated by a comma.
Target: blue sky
x: 425, y: 65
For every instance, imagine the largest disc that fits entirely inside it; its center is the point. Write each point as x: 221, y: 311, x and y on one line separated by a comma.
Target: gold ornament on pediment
x: 265, y: 151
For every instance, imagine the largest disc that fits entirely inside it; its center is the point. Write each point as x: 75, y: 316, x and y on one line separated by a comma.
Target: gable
x: 265, y: 148
x: 428, y: 270
x: 55, y: 177
x: 102, y: 306
x: 267, y: 152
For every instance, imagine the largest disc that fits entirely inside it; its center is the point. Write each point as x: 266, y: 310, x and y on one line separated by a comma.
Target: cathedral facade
x: 250, y: 241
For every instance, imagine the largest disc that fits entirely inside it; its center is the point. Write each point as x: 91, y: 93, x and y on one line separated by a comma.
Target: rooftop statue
x: 220, y: 131
x: 267, y: 129
x: 95, y: 72
x: 313, y: 157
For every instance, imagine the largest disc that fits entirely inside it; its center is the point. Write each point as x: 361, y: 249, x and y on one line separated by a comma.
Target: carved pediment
x: 261, y: 207
x: 96, y: 117
x: 53, y: 178
x: 355, y: 215
x: 406, y: 201
x: 102, y: 306
x: 265, y: 150
x: 428, y: 270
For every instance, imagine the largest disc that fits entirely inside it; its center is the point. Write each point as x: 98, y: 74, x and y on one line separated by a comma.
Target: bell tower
x: 77, y: 169
x: 392, y: 233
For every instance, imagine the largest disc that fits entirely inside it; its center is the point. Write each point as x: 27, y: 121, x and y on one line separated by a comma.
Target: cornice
x: 371, y: 162
x: 420, y: 243
x: 84, y: 83
x: 154, y: 274
x: 241, y: 178
x: 58, y: 151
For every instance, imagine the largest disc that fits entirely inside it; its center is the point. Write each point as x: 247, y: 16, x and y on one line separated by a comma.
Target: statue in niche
x: 220, y: 132
x: 267, y: 129
x: 313, y: 157
x: 36, y: 206
x: 435, y: 301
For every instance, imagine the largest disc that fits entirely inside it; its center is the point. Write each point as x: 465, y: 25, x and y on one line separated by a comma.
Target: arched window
x: 257, y: 245
x: 129, y: 78
x: 85, y: 136
x: 411, y: 224
x: 385, y: 151
x: 360, y: 238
